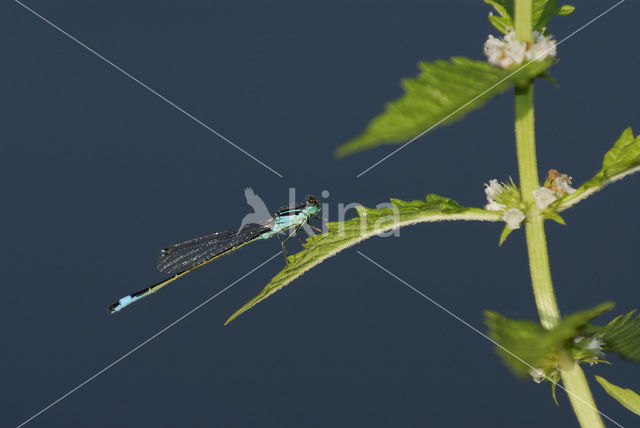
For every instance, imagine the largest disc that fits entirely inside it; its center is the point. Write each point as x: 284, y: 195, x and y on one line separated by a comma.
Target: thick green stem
x: 526, y: 142
x: 540, y: 273
x: 572, y: 375
x: 536, y: 239
x: 579, y: 393
x: 523, y: 20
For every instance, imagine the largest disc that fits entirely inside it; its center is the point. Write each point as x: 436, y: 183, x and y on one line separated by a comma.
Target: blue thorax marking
x: 288, y: 218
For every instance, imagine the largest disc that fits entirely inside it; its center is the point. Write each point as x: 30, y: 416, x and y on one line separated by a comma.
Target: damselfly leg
x: 317, y: 229
x: 284, y: 249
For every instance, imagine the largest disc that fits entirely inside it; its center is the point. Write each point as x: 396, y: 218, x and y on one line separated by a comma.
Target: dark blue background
x: 98, y: 174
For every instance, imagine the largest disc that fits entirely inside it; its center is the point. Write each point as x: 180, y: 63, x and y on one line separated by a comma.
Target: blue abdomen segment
x: 126, y: 301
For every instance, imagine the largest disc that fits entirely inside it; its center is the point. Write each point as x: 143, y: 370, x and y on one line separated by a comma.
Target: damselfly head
x: 312, y: 203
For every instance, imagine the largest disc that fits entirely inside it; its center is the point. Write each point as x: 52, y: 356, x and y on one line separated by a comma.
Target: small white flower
x: 560, y: 184
x: 513, y: 217
x: 493, y: 189
x: 508, y: 51
x: 514, y: 49
x: 542, y: 47
x: 493, y: 49
x: 501, y: 196
x: 544, y: 197
x: 563, y: 184
x: 494, y: 206
x: 537, y: 375
x: 595, y: 345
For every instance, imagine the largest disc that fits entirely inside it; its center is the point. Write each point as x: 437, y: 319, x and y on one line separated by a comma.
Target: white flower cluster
x: 555, y: 186
x: 492, y: 190
x: 560, y: 184
x: 508, y: 52
x: 497, y: 191
x: 513, y: 217
x: 593, y: 344
x: 544, y: 197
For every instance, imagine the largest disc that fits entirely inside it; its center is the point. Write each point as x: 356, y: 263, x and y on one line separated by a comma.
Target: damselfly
x: 182, y: 258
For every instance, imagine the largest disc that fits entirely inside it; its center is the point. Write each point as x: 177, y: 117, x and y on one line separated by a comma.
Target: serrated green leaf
x: 623, y: 159
x: 572, y: 324
x: 503, y: 7
x: 505, y: 11
x: 369, y: 223
x: 499, y: 22
x: 526, y: 344
x: 566, y: 9
x: 625, y: 396
x: 621, y: 335
x: 543, y: 10
x: 519, y: 340
x: 442, y: 93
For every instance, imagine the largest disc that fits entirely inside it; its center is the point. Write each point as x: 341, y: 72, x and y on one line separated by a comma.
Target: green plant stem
x: 526, y: 143
x: 540, y: 273
x: 523, y: 20
x: 572, y: 375
x: 534, y: 227
x: 579, y: 393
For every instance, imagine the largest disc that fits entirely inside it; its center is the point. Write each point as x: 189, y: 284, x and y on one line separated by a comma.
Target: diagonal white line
x: 171, y: 103
x: 487, y: 90
x: 482, y: 334
x: 149, y: 339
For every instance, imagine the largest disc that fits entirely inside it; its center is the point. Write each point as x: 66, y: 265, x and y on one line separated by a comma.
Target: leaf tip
x: 503, y: 236
x: 566, y: 9
x: 339, y: 153
x: 553, y: 215
x: 231, y: 318
x: 625, y: 396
